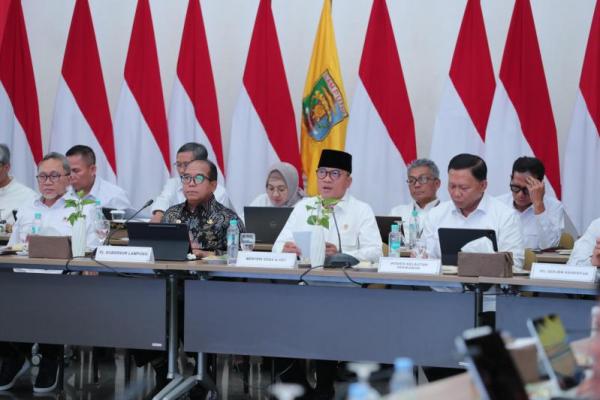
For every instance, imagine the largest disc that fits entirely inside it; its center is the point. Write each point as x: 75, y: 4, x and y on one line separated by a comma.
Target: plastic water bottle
x: 36, y: 226
x: 363, y: 371
x: 394, y: 241
x: 403, y: 378
x: 414, y: 228
x: 358, y: 391
x: 233, y: 242
x: 98, y: 214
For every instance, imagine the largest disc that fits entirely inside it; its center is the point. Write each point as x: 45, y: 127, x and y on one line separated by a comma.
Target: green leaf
x: 330, y: 202
x: 71, y: 203
x: 324, y: 222
x: 86, y: 202
x: 309, y: 208
x: 72, y: 218
x: 312, y: 220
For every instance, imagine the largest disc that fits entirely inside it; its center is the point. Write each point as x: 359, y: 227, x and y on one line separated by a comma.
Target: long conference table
x: 335, y: 314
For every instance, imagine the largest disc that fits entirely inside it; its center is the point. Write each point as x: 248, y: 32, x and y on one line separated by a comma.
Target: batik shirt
x: 208, y: 223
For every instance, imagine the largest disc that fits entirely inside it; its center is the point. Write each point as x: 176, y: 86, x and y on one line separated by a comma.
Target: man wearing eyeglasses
x: 423, y: 183
x: 359, y: 236
x: 542, y: 215
x: 208, y: 221
x: 206, y: 217
x: 355, y: 219
x: 172, y: 192
x: 82, y: 161
x: 53, y: 180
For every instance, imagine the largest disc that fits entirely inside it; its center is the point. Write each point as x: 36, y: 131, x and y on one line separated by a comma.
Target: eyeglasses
x: 52, y: 177
x: 198, y: 179
x: 182, y: 165
x: 334, y: 174
x: 278, y: 189
x: 517, y: 189
x: 423, y: 179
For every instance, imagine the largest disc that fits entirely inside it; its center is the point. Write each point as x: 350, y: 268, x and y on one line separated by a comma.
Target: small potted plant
x: 77, y: 220
x: 318, y: 218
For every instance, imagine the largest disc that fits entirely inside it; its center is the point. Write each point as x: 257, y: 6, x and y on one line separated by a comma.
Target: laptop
x: 453, y: 239
x: 266, y: 222
x: 555, y: 352
x: 170, y: 242
x: 384, y: 223
x: 490, y: 365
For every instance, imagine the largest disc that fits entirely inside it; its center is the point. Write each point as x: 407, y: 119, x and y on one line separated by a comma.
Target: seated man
x: 82, y: 160
x: 470, y: 207
x: 423, y: 183
x: 53, y: 180
x: 359, y: 236
x: 172, y: 192
x: 542, y: 215
x: 208, y: 221
x: 12, y: 193
x: 356, y: 222
x: 587, y: 248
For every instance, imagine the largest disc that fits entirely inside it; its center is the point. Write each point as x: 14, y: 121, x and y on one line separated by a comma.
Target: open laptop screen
x: 453, y: 239
x: 266, y: 222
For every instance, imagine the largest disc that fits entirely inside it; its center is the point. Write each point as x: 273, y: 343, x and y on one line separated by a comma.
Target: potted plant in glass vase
x: 318, y: 218
x: 77, y: 220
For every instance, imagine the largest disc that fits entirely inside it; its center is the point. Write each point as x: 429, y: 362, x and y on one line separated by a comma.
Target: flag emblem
x: 323, y: 108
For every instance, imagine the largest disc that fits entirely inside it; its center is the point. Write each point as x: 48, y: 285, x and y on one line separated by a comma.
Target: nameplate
x: 125, y: 254
x: 562, y: 272
x: 265, y: 260
x: 416, y: 266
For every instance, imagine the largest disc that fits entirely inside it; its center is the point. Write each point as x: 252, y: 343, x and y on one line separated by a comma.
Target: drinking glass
x: 247, y: 241
x: 102, y: 227
x: 420, y: 249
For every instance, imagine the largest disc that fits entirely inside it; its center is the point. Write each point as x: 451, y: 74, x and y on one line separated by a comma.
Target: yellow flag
x: 324, y: 110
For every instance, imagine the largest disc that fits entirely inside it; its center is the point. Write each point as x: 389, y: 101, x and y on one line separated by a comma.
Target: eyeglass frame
x: 516, y: 189
x: 188, y: 179
x: 423, y: 180
x: 334, y: 174
x: 53, y: 178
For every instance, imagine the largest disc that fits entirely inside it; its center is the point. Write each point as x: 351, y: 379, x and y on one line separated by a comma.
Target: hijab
x: 290, y: 175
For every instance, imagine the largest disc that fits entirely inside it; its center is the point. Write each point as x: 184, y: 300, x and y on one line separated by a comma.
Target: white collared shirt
x: 489, y: 214
x: 172, y: 194
x: 13, y: 196
x: 109, y: 194
x: 358, y: 229
x: 584, y: 246
x: 54, y: 220
x: 405, y: 210
x: 540, y: 231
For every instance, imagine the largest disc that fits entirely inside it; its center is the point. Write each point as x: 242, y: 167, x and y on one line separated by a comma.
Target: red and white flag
x: 19, y: 111
x: 81, y: 113
x: 464, y: 111
x: 194, y: 114
x: 581, y: 164
x: 521, y: 121
x: 381, y: 130
x: 263, y: 130
x: 141, y: 134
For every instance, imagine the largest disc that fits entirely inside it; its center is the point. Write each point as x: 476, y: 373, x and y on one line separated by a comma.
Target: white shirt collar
x: 428, y: 206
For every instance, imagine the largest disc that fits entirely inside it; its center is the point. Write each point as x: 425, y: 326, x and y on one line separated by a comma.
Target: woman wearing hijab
x: 282, y: 188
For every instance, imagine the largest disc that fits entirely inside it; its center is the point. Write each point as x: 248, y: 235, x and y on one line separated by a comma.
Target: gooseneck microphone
x: 146, y: 205
x: 339, y: 259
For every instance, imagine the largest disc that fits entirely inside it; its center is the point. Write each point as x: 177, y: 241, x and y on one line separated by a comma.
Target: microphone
x: 339, y: 259
x: 146, y: 205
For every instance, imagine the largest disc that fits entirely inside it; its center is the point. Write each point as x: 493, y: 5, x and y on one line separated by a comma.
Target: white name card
x: 418, y: 266
x: 125, y: 254
x: 562, y: 272
x: 265, y: 260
